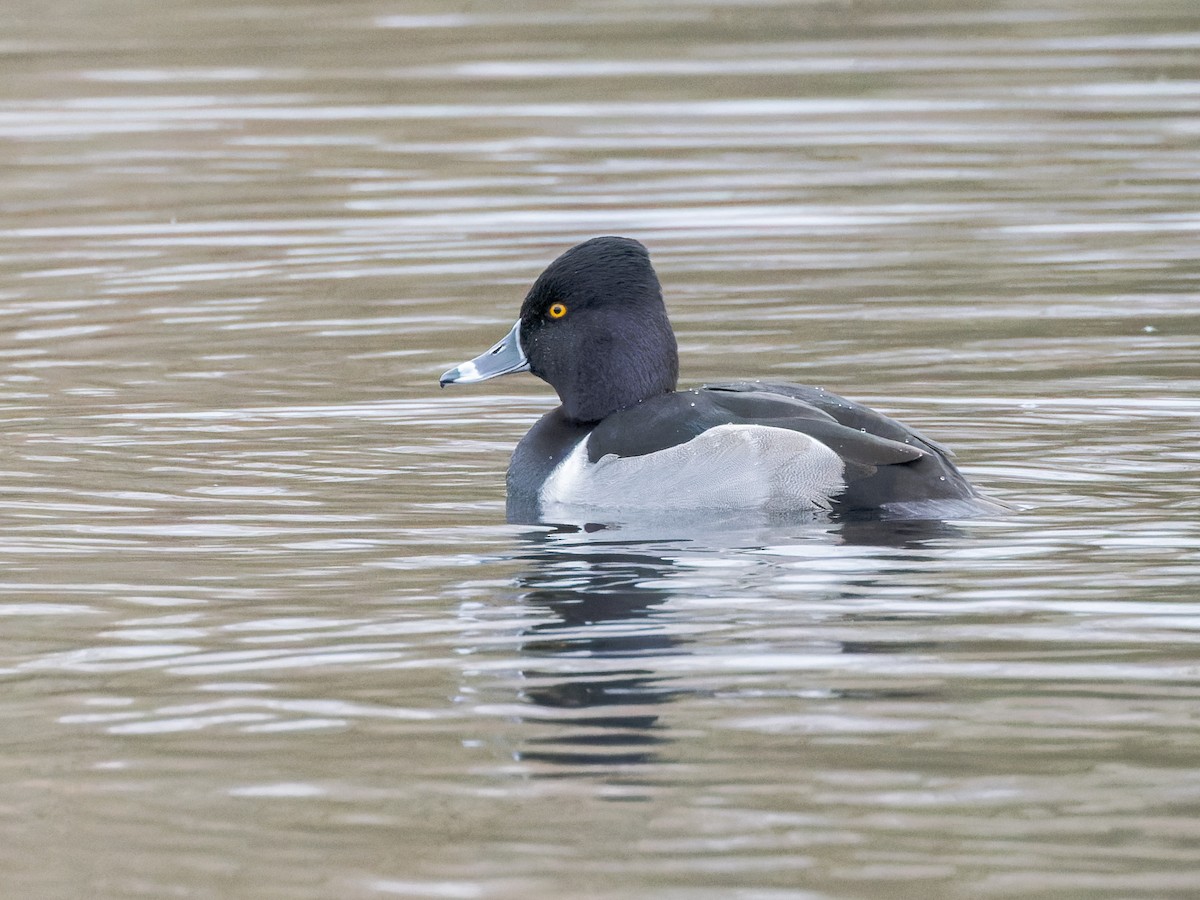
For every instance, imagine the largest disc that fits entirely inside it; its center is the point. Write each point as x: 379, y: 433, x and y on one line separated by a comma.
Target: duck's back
x: 852, y: 457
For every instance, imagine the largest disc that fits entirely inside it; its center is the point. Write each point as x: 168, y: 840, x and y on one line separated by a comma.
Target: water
x: 266, y: 632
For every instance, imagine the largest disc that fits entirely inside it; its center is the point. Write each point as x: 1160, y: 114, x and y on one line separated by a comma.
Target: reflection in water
x: 604, y: 598
x: 607, y: 593
x: 901, y: 534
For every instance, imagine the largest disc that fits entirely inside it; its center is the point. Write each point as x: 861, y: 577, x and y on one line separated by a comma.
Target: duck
x: 626, y: 442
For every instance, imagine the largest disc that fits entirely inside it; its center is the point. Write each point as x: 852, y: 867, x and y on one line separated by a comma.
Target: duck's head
x: 594, y: 327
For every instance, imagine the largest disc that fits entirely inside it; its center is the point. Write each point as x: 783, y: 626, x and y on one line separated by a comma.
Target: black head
x: 595, y: 328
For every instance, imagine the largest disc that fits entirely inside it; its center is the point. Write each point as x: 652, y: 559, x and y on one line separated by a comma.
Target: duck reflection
x: 603, y: 599
x: 593, y: 676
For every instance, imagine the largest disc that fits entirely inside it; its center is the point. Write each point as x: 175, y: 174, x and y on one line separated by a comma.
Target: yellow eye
x: 557, y: 310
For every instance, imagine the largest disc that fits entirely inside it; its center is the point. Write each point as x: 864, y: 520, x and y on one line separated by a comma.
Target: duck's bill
x: 505, y: 357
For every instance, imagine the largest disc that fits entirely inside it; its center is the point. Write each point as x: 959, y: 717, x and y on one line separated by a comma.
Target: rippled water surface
x: 266, y: 633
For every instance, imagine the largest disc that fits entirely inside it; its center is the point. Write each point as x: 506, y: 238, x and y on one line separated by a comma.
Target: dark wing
x: 885, y: 462
x: 656, y: 424
x: 845, y: 412
x: 872, y: 480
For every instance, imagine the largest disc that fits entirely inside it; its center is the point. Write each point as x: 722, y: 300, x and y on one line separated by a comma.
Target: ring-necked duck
x: 626, y: 441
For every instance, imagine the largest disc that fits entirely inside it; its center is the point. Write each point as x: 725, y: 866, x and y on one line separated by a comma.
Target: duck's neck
x: 620, y: 376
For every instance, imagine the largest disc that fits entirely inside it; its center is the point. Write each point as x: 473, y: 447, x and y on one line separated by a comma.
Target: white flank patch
x: 730, y: 467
